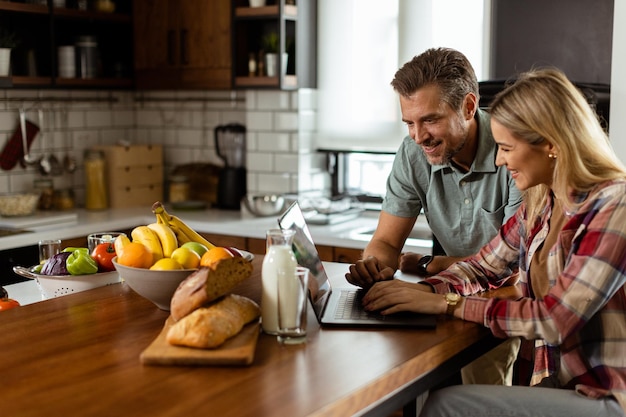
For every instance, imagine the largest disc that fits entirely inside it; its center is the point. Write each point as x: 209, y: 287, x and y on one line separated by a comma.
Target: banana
x: 176, y: 223
x: 119, y: 243
x: 168, y: 239
x: 180, y: 235
x: 145, y: 235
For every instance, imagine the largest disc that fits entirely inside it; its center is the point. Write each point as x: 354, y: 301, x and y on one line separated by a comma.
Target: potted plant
x: 270, y: 47
x: 8, y: 41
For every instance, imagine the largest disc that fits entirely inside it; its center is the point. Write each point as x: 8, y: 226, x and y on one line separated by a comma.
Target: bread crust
x: 209, y: 327
x: 206, y: 285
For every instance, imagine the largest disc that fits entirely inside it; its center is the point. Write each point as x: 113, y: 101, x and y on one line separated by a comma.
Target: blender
x: 230, y: 145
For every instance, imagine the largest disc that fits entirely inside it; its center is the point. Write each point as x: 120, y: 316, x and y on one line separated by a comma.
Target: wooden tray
x: 238, y: 350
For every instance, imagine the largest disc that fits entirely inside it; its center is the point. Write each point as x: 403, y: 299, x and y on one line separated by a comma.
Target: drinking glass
x: 95, y: 239
x: 293, y: 289
x: 48, y: 248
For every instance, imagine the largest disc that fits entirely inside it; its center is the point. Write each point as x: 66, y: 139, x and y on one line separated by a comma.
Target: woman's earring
x: 551, y: 155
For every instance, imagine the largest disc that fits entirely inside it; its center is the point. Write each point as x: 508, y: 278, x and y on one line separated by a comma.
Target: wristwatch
x: 423, y: 263
x: 452, y: 299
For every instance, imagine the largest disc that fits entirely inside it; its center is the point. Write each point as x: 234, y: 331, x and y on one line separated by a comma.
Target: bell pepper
x: 80, y: 262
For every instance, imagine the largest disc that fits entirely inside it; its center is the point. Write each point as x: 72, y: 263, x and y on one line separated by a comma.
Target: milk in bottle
x: 279, y: 255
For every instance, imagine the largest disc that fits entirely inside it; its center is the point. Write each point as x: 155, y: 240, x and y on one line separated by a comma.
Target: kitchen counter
x: 80, y: 222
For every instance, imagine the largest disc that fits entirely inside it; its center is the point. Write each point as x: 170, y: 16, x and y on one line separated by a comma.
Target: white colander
x: 52, y: 286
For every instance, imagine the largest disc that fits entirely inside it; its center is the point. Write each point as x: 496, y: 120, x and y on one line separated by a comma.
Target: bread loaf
x: 209, y: 327
x: 206, y: 285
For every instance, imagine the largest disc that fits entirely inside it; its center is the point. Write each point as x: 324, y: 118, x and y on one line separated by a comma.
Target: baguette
x: 209, y: 327
x: 206, y: 285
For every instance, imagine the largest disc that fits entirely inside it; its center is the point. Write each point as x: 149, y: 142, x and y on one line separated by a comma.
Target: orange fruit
x: 214, y: 255
x: 135, y: 255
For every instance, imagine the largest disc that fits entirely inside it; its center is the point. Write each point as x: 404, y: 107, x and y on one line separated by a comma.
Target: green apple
x: 197, y: 247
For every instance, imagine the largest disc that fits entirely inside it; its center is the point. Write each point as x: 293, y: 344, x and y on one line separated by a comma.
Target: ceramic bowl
x: 156, y: 286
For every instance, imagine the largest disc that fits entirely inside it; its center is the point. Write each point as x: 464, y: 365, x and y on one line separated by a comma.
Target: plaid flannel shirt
x: 577, y: 331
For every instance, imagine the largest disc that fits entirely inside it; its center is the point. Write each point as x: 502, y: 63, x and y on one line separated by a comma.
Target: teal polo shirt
x: 464, y: 209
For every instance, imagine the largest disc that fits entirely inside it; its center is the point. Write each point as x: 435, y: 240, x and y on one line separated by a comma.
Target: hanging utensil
x: 69, y: 161
x: 28, y: 158
x: 45, y: 166
x: 56, y: 168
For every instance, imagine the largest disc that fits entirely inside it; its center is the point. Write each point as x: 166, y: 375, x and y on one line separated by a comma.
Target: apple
x: 187, y: 257
x: 197, y: 247
x: 235, y: 252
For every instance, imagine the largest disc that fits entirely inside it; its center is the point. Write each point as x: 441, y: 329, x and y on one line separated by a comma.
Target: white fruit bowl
x: 52, y: 286
x: 156, y: 286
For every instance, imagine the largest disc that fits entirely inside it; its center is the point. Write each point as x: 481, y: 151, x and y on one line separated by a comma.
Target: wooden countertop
x: 78, y: 355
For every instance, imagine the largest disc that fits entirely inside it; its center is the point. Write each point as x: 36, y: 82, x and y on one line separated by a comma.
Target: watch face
x: 453, y: 297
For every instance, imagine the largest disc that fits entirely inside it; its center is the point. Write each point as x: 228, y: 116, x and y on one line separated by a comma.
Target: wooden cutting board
x: 238, y: 350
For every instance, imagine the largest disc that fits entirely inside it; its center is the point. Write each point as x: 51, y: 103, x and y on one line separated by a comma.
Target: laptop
x: 340, y: 306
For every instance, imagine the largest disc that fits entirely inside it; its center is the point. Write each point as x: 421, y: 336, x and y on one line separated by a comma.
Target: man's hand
x: 408, y: 262
x: 369, y: 271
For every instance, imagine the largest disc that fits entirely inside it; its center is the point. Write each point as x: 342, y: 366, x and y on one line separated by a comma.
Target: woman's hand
x: 369, y: 271
x: 395, y: 296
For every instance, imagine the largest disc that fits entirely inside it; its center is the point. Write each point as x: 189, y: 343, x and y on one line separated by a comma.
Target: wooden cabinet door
x: 224, y: 240
x: 205, y: 51
x: 156, y: 43
x: 347, y: 255
x: 182, y: 44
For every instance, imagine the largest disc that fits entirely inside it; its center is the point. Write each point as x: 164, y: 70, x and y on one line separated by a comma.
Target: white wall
x: 617, y: 130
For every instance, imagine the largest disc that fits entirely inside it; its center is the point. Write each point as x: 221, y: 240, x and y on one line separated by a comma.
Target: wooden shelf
x: 265, y: 11
x: 289, y: 81
x: 60, y: 13
x: 23, y: 7
x: 94, y: 82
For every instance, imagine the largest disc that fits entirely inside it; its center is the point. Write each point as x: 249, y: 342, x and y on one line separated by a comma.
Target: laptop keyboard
x: 350, y: 307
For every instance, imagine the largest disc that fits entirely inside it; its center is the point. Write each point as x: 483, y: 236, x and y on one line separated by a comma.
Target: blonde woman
x: 569, y: 241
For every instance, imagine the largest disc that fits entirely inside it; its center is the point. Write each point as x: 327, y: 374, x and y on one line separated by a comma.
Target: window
x: 361, y: 44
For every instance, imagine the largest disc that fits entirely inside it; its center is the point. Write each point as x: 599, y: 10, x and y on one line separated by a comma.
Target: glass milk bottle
x: 279, y: 255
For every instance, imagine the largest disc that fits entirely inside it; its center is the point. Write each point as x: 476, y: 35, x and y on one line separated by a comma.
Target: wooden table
x: 78, y: 355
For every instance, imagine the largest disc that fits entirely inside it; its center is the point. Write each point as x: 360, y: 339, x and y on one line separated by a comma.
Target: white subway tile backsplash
x: 280, y: 145
x: 286, y: 163
x: 273, y: 100
x: 259, y: 120
x: 273, y: 183
x: 260, y: 162
x: 275, y: 142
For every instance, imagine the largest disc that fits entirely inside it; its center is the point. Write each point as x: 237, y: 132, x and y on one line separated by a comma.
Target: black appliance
x: 230, y: 144
x: 597, y: 95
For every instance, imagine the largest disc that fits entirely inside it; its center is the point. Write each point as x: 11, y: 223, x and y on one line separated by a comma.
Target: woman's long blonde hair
x: 543, y: 105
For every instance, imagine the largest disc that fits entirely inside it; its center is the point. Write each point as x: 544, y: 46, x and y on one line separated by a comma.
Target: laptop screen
x: 307, y: 256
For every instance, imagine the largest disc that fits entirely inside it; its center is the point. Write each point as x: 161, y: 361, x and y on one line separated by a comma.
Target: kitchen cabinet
x: 326, y: 253
x: 182, y: 44
x: 295, y: 27
x: 41, y: 28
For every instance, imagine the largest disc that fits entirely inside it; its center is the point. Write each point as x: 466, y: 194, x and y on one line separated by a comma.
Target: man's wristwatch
x: 423, y: 263
x: 452, y: 299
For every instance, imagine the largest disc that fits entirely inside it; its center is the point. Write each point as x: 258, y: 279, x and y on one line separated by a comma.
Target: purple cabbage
x: 56, y: 265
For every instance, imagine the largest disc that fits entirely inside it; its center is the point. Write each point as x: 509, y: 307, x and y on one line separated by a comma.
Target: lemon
x: 185, y: 256
x: 166, y: 264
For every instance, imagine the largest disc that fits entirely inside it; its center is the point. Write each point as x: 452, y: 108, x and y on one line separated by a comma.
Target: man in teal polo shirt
x: 446, y: 166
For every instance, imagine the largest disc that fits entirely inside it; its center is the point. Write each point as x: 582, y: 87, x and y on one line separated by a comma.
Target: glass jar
x: 64, y: 199
x: 45, y: 188
x: 96, y: 193
x: 179, y: 188
x: 279, y: 255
